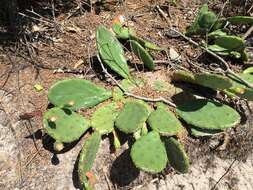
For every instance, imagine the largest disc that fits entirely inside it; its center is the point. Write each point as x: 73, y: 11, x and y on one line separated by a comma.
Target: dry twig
x: 160, y: 99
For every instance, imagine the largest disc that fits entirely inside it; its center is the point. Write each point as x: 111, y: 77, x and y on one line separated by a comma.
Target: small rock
x: 174, y: 56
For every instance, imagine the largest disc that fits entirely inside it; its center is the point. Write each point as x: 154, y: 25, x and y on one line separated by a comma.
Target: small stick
x: 160, y: 99
x: 229, y: 168
x: 249, y: 31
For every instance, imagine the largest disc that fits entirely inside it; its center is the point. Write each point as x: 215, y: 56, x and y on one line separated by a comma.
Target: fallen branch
x: 160, y: 99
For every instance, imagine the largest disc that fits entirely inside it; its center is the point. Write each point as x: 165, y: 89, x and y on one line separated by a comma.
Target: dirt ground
x: 64, y: 46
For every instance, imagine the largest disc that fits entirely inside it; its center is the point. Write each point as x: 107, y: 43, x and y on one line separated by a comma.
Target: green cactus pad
x: 142, y: 54
x: 111, y: 52
x: 77, y: 93
x: 149, y: 154
x: 207, y: 20
x: 64, y: 125
x: 213, y: 81
x: 203, y: 22
x: 132, y: 117
x: 239, y: 89
x: 217, y: 33
x: 207, y: 114
x: 87, y: 156
x: 197, y: 132
x: 164, y: 122
x: 249, y: 70
x: 240, y: 20
x: 177, y: 156
x: 145, y: 43
x: 120, y: 31
x: 184, y: 76
x: 228, y: 45
x: 103, y: 118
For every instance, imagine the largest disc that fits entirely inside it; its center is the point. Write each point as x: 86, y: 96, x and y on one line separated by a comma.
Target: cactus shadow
x: 75, y: 177
x: 123, y: 170
x: 48, y: 144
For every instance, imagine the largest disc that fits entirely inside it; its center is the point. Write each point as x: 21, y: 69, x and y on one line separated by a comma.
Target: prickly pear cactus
x: 149, y: 154
x: 111, y: 52
x: 87, y: 157
x: 103, y: 118
x: 64, y: 125
x: 177, y: 156
x: 213, y: 81
x: 77, y: 93
x: 142, y: 54
x: 207, y: 114
x: 164, y: 122
x: 132, y: 117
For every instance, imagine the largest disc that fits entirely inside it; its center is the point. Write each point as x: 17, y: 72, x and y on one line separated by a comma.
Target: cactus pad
x: 197, y: 132
x: 145, y: 43
x: 121, y: 31
x: 207, y: 114
x: 164, y: 122
x: 240, y: 89
x: 64, y: 125
x: 184, y: 76
x: 240, y: 20
x: 203, y: 22
x: 103, y: 118
x: 177, y: 156
x: 142, y: 54
x: 111, y: 52
x: 149, y: 154
x: 87, y: 156
x: 213, y: 81
x: 132, y: 117
x: 77, y: 93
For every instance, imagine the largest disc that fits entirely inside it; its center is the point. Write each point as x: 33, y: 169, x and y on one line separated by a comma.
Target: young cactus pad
x: 203, y: 22
x: 142, y: 54
x: 149, y: 154
x: 121, y: 31
x: 103, y: 118
x: 164, y: 122
x: 207, y: 114
x: 64, y: 125
x: 111, y: 52
x: 177, y: 156
x: 87, y: 156
x: 132, y: 117
x: 77, y: 93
